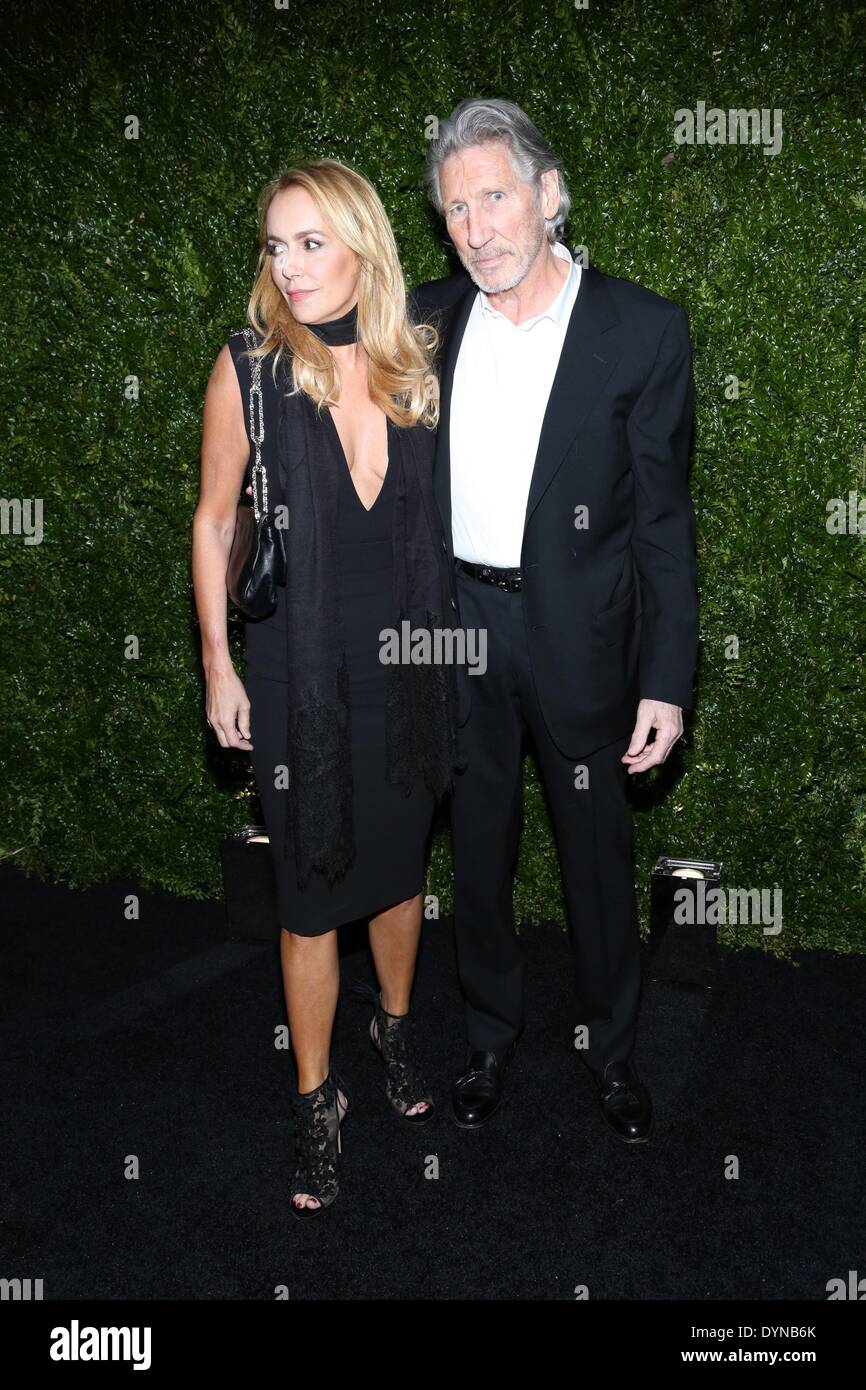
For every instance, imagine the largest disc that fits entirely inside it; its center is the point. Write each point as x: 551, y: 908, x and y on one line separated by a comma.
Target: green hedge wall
x: 133, y: 257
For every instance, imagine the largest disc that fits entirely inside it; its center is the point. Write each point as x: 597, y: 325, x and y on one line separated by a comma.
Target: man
x: 561, y: 474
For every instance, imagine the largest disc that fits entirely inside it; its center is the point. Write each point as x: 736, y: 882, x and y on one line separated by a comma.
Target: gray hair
x: 475, y: 121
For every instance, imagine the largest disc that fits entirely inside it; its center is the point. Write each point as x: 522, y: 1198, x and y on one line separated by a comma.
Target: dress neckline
x: 347, y: 470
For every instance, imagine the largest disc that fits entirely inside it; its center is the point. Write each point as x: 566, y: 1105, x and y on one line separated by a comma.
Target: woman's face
x: 315, y: 272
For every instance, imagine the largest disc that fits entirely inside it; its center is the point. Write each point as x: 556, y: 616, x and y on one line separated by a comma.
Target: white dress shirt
x: 502, y: 381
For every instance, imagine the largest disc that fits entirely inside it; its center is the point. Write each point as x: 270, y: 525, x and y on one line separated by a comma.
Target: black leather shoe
x: 624, y: 1101
x: 477, y: 1094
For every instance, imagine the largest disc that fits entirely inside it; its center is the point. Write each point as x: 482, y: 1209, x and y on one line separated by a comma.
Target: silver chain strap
x: 257, y: 427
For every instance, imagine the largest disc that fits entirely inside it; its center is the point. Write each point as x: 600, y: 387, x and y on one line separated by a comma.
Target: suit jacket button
x: 453, y: 604
x: 445, y: 545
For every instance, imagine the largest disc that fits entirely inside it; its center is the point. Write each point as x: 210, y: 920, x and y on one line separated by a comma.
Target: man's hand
x: 667, y: 720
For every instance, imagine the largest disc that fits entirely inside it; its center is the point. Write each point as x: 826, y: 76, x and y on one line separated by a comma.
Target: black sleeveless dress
x: 391, y: 828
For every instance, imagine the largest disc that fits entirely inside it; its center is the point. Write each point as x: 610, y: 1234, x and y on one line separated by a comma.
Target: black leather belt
x: 508, y: 579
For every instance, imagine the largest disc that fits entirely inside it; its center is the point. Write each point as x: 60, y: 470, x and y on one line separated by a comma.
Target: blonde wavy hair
x: 401, y: 378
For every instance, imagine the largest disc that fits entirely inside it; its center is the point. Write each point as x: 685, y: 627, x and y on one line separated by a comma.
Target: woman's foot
x: 393, y: 1037
x: 318, y: 1116
x: 420, y: 1106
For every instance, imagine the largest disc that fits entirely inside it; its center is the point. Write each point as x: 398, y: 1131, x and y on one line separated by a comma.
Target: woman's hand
x: 228, y: 708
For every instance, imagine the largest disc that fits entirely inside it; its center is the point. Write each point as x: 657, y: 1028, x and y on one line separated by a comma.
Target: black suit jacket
x: 611, y: 610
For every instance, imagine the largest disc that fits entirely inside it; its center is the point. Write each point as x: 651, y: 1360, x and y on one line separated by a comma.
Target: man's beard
x: 494, y: 286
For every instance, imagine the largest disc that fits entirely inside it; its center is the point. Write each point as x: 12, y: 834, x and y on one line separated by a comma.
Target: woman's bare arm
x: 224, y: 455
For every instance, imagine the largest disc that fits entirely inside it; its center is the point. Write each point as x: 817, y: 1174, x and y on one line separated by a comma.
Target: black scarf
x: 338, y: 332
x: 421, y: 701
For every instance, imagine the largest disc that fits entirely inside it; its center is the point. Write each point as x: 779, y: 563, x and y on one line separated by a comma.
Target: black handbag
x: 257, y: 560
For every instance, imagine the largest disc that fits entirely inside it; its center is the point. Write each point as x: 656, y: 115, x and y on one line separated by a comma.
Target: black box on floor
x: 249, y: 887
x: 682, y: 952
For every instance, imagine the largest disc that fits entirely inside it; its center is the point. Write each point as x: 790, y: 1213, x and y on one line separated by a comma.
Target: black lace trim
x: 320, y: 785
x: 316, y: 1125
x: 405, y: 1086
x: 421, y: 718
x: 420, y: 740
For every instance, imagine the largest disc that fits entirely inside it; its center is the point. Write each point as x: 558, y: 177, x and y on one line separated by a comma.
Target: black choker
x: 337, y: 332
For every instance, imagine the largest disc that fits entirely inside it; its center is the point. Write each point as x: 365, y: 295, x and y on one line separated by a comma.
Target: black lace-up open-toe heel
x: 319, y: 1115
x: 393, y: 1037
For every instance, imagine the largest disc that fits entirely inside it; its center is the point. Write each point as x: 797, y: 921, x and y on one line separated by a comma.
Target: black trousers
x: 594, y: 831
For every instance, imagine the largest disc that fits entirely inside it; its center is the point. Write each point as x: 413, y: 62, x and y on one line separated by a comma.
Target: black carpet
x: 155, y: 1039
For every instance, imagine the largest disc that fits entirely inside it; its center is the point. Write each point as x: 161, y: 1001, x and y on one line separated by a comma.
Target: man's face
x: 494, y: 218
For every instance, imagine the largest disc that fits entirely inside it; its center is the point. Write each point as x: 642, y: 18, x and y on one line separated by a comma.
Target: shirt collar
x: 555, y: 311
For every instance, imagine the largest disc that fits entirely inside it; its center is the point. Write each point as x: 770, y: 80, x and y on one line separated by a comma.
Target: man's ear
x: 550, y: 193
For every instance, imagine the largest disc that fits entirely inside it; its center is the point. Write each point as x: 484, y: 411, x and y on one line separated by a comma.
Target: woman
x: 350, y: 753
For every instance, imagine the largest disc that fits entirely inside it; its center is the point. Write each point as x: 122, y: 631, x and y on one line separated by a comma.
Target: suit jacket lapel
x: 584, y: 366
x: 442, y: 465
